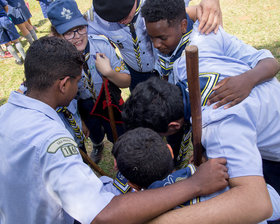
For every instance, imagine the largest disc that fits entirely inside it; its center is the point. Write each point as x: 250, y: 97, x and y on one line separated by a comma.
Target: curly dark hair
x: 49, y: 59
x: 170, y: 10
x: 153, y: 104
x: 142, y: 157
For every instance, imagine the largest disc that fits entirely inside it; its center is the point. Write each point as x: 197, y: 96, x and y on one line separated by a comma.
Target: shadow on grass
x: 274, y: 47
x: 3, y: 100
x: 41, y: 23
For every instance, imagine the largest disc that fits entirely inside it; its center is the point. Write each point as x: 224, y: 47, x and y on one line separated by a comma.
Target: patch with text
x: 67, y: 146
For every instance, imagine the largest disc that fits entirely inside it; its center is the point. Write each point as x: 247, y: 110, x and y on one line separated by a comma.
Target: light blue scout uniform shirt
x: 221, y: 48
x: 99, y: 44
x: 120, y: 35
x: 43, y: 177
x: 249, y: 131
x: 187, y: 172
x: 73, y: 109
x: 251, y: 127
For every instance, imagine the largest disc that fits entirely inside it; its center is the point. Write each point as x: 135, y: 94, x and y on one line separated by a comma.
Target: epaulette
x: 120, y: 182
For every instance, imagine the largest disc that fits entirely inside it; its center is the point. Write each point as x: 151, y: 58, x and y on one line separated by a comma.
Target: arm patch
x: 67, y: 145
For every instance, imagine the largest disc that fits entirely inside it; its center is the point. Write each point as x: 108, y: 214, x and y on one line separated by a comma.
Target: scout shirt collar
x: 166, y: 62
x: 23, y: 101
x: 71, y: 107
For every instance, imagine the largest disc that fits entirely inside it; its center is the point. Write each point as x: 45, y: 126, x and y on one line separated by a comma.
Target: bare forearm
x: 139, y: 207
x: 245, y: 203
x: 122, y: 80
x: 143, y: 206
x: 192, y: 12
x: 266, y: 69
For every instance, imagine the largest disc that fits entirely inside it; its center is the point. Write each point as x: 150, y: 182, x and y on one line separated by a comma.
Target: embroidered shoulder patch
x: 67, y: 145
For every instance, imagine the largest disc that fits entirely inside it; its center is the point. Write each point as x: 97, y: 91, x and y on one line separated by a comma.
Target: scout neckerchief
x: 88, y: 73
x: 70, y: 118
x: 134, y: 36
x: 166, y: 63
x: 207, y: 82
x: 115, y: 100
x: 175, y: 177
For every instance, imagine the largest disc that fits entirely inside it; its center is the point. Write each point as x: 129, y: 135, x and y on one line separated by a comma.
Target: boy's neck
x: 46, y: 97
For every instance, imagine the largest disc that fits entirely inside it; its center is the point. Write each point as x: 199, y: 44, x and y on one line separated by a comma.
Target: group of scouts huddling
x: 72, y: 80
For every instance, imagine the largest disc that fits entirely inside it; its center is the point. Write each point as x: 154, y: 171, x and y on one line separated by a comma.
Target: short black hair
x: 49, y: 59
x: 153, y: 104
x: 170, y: 10
x: 143, y: 157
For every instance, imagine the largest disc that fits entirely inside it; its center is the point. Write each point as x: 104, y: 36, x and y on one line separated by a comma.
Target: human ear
x: 115, y: 165
x: 171, y: 150
x: 184, y: 25
x: 174, y: 126
x: 63, y: 84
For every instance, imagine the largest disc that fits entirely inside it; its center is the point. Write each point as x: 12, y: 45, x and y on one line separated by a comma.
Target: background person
x: 9, y: 35
x: 19, y: 14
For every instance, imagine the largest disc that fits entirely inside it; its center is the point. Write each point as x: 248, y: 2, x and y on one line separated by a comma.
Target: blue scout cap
x: 65, y: 15
x: 113, y: 10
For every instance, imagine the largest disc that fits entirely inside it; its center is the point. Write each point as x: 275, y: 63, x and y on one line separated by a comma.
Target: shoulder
x: 197, y: 37
x: 93, y: 38
x: 63, y: 144
x: 52, y: 137
x: 98, y: 40
x: 100, y: 43
x: 95, y: 21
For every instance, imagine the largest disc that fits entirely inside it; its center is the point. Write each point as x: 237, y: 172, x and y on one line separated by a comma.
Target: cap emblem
x: 66, y: 13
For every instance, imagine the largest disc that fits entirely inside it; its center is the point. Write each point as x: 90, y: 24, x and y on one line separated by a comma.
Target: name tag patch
x: 67, y: 146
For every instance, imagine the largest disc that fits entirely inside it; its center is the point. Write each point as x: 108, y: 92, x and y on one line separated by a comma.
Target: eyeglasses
x: 82, y: 30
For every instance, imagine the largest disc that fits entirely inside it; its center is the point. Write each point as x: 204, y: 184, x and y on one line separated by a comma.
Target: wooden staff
x: 92, y: 164
x: 195, y: 101
x: 111, y: 113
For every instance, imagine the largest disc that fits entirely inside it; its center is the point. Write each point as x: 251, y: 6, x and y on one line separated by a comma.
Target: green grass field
x: 256, y: 22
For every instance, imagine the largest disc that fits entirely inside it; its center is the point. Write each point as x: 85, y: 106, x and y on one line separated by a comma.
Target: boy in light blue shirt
x: 123, y: 24
x: 244, y: 134
x: 146, y: 161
